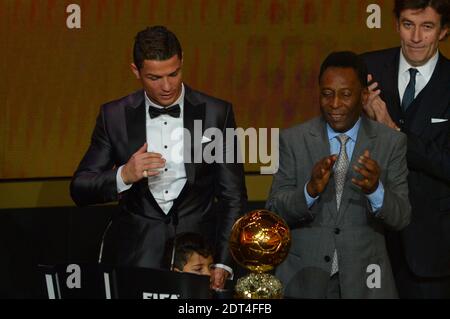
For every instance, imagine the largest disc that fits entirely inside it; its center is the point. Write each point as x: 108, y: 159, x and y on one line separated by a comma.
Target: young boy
x: 192, y: 254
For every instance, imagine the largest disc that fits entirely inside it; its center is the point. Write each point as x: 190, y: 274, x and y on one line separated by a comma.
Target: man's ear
x: 135, y: 70
x: 443, y: 34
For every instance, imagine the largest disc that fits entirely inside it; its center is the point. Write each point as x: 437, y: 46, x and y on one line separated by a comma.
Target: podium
x: 141, y: 283
x: 98, y: 281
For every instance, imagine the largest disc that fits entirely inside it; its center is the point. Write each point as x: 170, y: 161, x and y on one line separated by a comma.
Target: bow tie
x: 173, y: 111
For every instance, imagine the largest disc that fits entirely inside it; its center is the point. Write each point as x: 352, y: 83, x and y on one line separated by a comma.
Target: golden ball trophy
x: 259, y: 242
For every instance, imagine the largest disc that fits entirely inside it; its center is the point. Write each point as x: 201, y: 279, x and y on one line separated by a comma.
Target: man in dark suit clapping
x: 411, y: 93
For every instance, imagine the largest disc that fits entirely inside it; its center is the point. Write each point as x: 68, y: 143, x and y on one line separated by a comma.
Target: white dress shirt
x: 164, y: 136
x: 423, y: 75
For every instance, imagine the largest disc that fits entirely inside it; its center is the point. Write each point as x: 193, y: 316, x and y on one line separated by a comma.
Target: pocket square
x: 435, y: 121
x: 205, y: 140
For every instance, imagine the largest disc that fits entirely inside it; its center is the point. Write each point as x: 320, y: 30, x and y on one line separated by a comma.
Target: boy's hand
x: 218, y: 278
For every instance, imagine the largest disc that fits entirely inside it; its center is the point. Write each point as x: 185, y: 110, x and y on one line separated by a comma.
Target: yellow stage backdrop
x: 263, y: 55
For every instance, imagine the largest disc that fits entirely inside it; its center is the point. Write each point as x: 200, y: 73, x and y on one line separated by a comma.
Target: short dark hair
x: 155, y: 43
x: 346, y: 59
x: 185, y: 245
x: 442, y: 7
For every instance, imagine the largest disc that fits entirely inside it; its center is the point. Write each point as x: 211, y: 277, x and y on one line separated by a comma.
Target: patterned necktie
x: 410, y: 91
x: 340, y: 172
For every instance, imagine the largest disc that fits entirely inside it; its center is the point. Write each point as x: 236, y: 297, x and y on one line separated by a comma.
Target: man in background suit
x: 341, y: 182
x: 141, y: 156
x: 412, y: 94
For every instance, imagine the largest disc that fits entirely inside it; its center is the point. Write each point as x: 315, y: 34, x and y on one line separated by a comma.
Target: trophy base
x: 259, y: 286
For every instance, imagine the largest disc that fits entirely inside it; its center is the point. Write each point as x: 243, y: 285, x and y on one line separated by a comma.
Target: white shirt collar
x: 179, y: 101
x: 425, y: 70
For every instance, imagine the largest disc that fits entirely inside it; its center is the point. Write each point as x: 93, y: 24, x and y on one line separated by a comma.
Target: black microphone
x: 100, y: 254
x: 174, y: 244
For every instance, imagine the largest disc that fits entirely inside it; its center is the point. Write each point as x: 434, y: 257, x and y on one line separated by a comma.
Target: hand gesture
x: 142, y: 165
x: 375, y: 107
x: 320, y: 176
x: 370, y: 172
x: 218, y: 278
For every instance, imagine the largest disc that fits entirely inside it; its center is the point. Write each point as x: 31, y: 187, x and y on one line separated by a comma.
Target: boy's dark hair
x: 186, y: 244
x: 442, y: 7
x: 346, y: 59
x: 155, y: 43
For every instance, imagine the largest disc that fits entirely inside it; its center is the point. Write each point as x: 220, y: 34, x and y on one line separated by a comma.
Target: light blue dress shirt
x: 377, y: 197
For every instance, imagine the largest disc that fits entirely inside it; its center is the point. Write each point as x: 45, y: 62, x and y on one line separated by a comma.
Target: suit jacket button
x: 327, y: 259
x: 337, y: 231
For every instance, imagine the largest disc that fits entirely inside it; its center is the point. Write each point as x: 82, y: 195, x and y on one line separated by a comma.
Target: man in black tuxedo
x: 146, y: 152
x: 411, y: 92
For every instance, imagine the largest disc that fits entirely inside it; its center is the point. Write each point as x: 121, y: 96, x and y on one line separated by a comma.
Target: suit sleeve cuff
x: 310, y: 201
x: 227, y: 269
x: 376, y: 199
x: 121, y: 186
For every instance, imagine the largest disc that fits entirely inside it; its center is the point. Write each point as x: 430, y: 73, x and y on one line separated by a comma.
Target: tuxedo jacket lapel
x: 193, y: 111
x: 135, y: 122
x: 137, y: 136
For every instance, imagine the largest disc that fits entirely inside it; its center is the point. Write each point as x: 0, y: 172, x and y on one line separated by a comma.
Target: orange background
x: 262, y: 55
